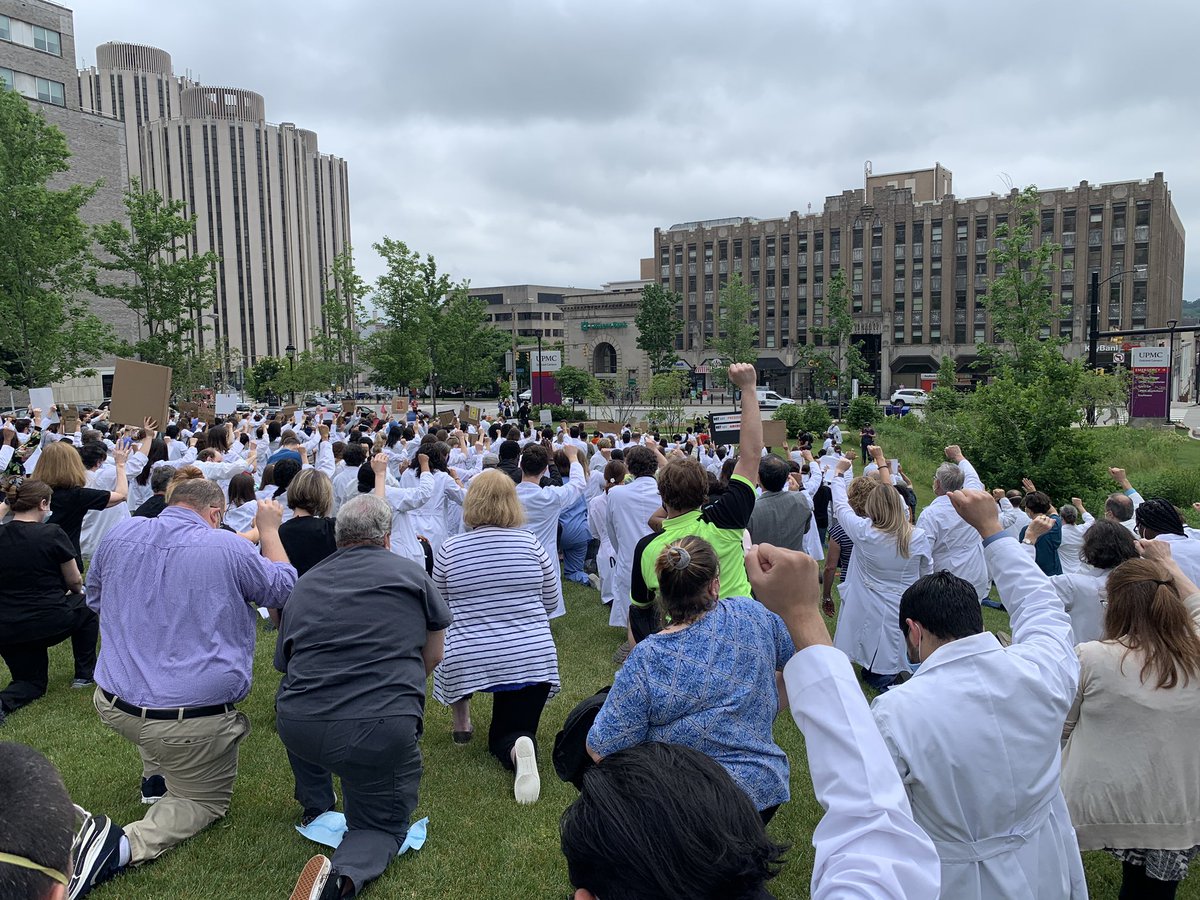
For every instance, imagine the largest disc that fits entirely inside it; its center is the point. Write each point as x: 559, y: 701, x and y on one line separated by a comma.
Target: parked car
x: 526, y: 394
x: 770, y: 400
x: 910, y: 396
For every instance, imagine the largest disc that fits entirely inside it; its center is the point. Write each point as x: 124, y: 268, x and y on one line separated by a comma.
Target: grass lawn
x: 481, y: 844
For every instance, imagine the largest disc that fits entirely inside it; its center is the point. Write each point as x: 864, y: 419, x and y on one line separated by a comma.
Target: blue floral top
x: 710, y: 687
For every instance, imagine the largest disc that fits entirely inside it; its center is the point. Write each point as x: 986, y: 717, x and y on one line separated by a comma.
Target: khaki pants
x: 198, y: 760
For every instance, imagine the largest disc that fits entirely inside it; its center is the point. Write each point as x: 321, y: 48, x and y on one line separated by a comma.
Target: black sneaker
x: 154, y: 789
x: 96, y: 855
x: 311, y: 815
x: 83, y: 683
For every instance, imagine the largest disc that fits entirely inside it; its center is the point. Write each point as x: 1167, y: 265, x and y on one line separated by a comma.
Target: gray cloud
x: 543, y: 140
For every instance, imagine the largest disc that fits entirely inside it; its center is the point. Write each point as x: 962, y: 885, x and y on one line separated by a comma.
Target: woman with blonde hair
x: 1130, y: 768
x: 840, y: 545
x: 60, y: 466
x: 890, y: 553
x: 501, y: 586
x: 707, y: 680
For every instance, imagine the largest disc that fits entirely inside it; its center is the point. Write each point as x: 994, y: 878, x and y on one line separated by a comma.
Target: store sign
x: 1148, y: 393
x: 596, y: 326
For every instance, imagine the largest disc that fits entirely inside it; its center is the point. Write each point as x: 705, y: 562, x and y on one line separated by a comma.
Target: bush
x: 815, y: 417
x: 862, y: 411
x: 559, y: 413
x: 792, y: 414
x: 1180, y: 486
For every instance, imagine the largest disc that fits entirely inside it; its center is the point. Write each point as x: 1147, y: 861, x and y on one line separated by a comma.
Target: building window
x: 46, y: 40
x: 6, y: 78
x: 899, y: 230
x: 51, y: 92
x: 604, y: 359
x: 5, y: 30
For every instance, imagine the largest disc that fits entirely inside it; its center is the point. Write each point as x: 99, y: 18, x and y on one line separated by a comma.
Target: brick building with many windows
x: 916, y: 263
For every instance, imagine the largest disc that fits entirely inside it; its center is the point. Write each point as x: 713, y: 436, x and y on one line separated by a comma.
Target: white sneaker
x: 594, y: 581
x: 528, y: 786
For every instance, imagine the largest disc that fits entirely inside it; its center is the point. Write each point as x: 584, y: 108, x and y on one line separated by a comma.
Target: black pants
x: 1137, y: 885
x: 644, y: 621
x: 515, y: 714
x: 379, y: 763
x: 29, y: 662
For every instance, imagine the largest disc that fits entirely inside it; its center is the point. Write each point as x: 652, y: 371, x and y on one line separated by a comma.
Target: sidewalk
x: 1187, y: 414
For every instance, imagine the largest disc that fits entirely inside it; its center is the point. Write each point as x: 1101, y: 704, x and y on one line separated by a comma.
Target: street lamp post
x: 291, y: 355
x: 538, y: 398
x: 1094, y: 322
x: 1171, y: 323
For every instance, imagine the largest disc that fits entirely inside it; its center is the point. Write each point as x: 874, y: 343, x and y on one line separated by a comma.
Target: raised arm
x: 1041, y: 628
x: 971, y: 479
x: 856, y: 527
x: 1122, y: 481
x: 867, y: 843
x: 750, y: 440
x: 120, y: 489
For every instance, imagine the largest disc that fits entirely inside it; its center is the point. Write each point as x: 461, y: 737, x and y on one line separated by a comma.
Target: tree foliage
x: 338, y: 343
x: 469, y: 352
x: 406, y: 298
x: 47, y: 331
x: 155, y: 276
x: 737, y: 340
x: 665, y: 397
x: 840, y: 362
x: 578, y: 384
x: 658, y: 326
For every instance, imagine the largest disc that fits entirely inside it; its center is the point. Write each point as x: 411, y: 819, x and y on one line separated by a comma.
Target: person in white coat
x: 1075, y: 523
x: 544, y: 504
x: 1159, y: 520
x: 1084, y: 594
x: 402, y: 501
x: 630, y: 507
x: 606, y: 557
x: 867, y: 843
x: 955, y: 545
x: 975, y: 732
x: 889, y: 555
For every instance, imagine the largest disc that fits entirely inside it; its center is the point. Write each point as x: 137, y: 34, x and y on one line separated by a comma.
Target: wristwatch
x: 1028, y: 541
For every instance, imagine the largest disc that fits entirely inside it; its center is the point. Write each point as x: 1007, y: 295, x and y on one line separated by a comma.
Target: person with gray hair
x: 363, y: 630
x: 1076, y: 520
x: 160, y: 477
x: 957, y: 546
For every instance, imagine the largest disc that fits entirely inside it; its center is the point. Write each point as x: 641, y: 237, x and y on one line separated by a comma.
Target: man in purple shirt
x: 176, y: 598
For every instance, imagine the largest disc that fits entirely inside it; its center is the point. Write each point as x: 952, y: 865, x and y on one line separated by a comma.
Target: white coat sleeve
x: 1041, y: 628
x: 1008, y: 513
x: 867, y: 844
x: 971, y: 479
x: 325, y: 461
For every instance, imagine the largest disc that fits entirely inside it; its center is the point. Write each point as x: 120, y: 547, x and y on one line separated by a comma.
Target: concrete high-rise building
x: 272, y: 206
x: 916, y: 262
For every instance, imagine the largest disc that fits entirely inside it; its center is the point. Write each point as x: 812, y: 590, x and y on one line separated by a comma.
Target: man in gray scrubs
x: 363, y: 630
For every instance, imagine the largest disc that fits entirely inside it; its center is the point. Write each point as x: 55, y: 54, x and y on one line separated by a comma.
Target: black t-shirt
x: 307, y: 540
x: 152, y: 507
x: 821, y: 502
x: 352, y: 634
x: 68, y: 506
x: 33, y: 596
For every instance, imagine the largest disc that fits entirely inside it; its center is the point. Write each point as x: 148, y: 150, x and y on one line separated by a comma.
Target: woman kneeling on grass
x: 706, y: 681
x: 501, y: 586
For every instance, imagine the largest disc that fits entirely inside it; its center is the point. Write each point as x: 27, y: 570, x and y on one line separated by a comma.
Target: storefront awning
x: 913, y: 365
x: 771, y: 363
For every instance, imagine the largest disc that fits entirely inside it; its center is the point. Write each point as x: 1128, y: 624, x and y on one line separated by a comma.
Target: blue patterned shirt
x: 710, y: 687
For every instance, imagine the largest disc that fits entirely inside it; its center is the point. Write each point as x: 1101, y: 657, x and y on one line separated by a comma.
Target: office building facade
x: 915, y: 260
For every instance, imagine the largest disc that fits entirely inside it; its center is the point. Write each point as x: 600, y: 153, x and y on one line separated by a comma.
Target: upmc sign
x: 1148, y: 393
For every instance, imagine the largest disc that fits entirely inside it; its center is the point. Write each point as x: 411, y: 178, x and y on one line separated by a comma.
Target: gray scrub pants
x: 379, y: 764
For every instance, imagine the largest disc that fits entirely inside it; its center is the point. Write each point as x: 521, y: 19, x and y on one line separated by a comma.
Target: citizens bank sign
x: 596, y: 326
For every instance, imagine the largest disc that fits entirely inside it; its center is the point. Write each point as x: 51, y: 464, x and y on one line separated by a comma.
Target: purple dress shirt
x: 176, y: 624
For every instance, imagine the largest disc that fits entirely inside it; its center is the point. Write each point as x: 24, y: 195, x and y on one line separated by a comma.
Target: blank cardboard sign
x: 140, y: 391
x: 41, y: 398
x: 227, y: 403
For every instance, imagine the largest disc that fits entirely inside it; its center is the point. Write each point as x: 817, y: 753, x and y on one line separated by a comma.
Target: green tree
x: 47, y: 331
x: 738, y: 338
x: 578, y: 384
x: 407, y: 297
x: 665, y: 397
x: 1020, y: 298
x: 658, y: 326
x: 338, y: 342
x: 263, y: 375
x: 156, y: 277
x: 840, y: 362
x: 469, y: 353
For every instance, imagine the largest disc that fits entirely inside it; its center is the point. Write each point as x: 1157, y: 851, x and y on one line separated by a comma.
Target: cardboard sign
x: 774, y: 433
x: 399, y: 404
x: 474, y: 414
x: 348, y: 407
x: 41, y: 398
x: 140, y: 391
x: 226, y: 404
x: 545, y: 416
x: 286, y: 413
x: 70, y: 421
x: 607, y: 428
x: 446, y: 418
x: 726, y: 428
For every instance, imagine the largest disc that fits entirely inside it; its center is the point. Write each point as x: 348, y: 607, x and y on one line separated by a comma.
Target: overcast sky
x: 535, y: 141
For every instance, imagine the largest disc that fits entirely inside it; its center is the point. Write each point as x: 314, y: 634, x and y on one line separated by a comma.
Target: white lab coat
x: 433, y: 520
x: 403, y: 501
x: 956, y: 546
x: 1186, y: 552
x: 542, y: 508
x: 606, y: 557
x: 629, y: 509
x: 1084, y: 596
x: 975, y: 736
x: 867, y: 843
x: 868, y: 628
x: 1072, y: 543
x: 1012, y: 518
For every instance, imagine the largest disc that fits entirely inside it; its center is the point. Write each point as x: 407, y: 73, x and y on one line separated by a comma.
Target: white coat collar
x: 976, y: 644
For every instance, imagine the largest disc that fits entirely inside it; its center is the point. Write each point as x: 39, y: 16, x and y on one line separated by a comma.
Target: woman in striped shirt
x: 500, y: 584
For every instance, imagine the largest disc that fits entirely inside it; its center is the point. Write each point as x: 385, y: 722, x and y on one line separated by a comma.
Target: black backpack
x: 571, y: 759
